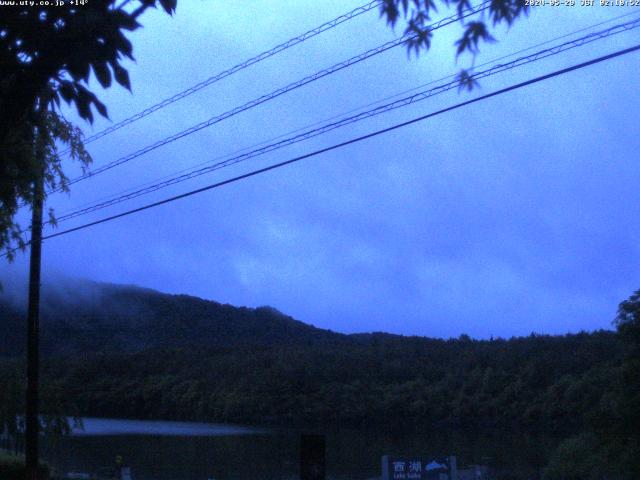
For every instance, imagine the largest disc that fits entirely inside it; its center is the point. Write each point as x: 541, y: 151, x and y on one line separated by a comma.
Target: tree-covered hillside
x: 129, y: 352
x: 86, y: 317
x: 539, y: 382
x: 132, y: 352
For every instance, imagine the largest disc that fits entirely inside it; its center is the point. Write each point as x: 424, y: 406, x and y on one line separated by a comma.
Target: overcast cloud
x: 513, y: 215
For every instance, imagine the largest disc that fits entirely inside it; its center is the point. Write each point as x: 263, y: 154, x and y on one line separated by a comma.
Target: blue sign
x: 411, y: 468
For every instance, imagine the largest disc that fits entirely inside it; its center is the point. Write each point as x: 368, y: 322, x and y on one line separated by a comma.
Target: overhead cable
x: 276, y: 93
x: 241, y: 66
x: 409, y: 100
x: 349, y: 142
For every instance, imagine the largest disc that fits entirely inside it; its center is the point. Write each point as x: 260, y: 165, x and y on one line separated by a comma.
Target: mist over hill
x: 90, y: 317
x: 126, y: 351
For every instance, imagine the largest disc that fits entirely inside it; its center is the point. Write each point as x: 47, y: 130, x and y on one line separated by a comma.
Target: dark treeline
x: 132, y: 353
x: 539, y: 382
x: 86, y: 317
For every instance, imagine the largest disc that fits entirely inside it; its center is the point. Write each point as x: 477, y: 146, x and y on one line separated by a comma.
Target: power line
x: 276, y: 93
x: 351, y: 141
x: 172, y: 179
x: 334, y: 117
x: 241, y: 66
x: 417, y: 97
x: 476, y: 67
x: 221, y: 75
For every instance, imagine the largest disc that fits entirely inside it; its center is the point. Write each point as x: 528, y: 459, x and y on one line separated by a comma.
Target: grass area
x: 12, y: 467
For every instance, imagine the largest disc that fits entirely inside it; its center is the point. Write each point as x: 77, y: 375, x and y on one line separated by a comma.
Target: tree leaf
x: 122, y: 76
x: 103, y: 74
x: 169, y: 6
x: 67, y: 92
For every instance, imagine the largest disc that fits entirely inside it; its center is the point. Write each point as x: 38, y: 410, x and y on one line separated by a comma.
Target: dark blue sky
x: 513, y: 215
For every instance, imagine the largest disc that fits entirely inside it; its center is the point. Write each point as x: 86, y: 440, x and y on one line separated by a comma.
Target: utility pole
x: 33, y: 323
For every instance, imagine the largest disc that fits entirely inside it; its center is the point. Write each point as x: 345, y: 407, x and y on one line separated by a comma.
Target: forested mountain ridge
x: 89, y: 317
x: 122, y: 351
x: 539, y: 383
x: 131, y: 352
